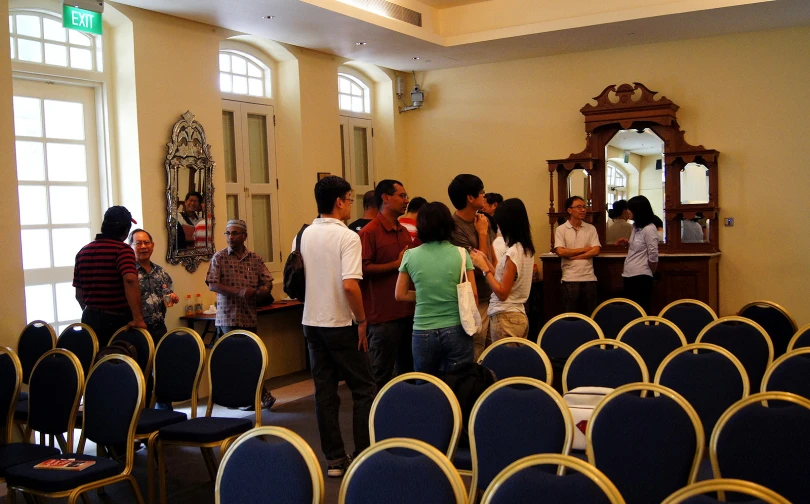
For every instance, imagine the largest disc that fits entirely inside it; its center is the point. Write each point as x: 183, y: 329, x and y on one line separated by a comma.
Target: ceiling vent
x: 389, y: 10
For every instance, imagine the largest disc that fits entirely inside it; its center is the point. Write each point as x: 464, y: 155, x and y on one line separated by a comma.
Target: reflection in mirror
x: 694, y: 230
x: 694, y: 184
x: 579, y: 184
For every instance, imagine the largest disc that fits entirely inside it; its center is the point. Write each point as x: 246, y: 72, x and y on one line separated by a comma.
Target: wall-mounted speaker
x: 659, y: 164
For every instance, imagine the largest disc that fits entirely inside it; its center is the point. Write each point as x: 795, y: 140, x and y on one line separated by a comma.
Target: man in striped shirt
x: 106, y: 280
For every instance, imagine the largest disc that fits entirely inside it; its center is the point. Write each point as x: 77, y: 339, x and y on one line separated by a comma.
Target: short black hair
x: 385, y: 186
x: 131, y: 238
x: 434, y: 222
x: 618, y: 209
x: 657, y: 221
x: 328, y: 190
x: 514, y: 224
x: 119, y: 230
x: 493, y: 197
x: 194, y: 193
x: 369, y: 201
x: 462, y: 186
x: 415, y: 204
x: 642, y: 211
x: 570, y: 201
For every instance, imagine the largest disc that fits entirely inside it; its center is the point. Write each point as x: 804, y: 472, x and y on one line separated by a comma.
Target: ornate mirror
x: 189, y: 195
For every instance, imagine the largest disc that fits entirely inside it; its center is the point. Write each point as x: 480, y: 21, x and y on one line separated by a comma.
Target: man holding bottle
x: 157, y: 292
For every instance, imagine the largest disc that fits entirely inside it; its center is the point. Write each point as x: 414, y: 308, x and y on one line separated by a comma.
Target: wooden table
x: 276, y: 307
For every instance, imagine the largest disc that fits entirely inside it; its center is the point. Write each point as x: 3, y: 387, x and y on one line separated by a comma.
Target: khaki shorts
x: 508, y: 325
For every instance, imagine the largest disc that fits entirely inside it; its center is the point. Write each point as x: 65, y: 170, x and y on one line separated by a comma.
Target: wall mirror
x: 579, y: 184
x: 189, y: 195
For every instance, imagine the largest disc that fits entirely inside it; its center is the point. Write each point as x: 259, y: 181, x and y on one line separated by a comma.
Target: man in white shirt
x: 334, y: 322
x: 576, y: 242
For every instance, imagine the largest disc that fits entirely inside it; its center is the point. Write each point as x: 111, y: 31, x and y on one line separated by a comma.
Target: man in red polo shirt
x: 390, y: 322
x: 106, y: 280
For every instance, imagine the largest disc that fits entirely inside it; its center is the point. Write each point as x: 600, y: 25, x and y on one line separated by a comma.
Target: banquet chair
x: 789, y: 373
x: 695, y: 493
x: 616, y: 313
x: 81, y: 340
x: 653, y: 338
x: 690, y: 315
x: 510, y: 357
x: 801, y: 339
x: 563, y: 334
x: 35, y: 339
x: 776, y: 321
x: 591, y: 365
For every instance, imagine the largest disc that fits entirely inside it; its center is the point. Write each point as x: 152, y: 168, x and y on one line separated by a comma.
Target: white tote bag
x: 582, y: 401
x: 467, y: 308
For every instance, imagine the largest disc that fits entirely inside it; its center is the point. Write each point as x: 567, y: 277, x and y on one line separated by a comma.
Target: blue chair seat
x: 23, y: 396
x: 20, y: 453
x: 205, y: 430
x: 21, y: 411
x: 44, y: 480
x: 154, y: 419
x: 463, y: 459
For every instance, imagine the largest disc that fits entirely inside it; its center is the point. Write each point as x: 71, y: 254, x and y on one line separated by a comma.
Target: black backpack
x: 118, y: 347
x: 295, y: 284
x: 468, y: 381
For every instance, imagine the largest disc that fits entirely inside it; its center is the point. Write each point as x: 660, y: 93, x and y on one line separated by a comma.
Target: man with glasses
x: 157, y: 292
x: 238, y: 276
x: 576, y: 242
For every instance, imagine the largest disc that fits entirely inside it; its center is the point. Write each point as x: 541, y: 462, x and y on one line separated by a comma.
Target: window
x: 353, y: 94
x: 38, y: 37
x: 617, y: 184
x: 242, y: 74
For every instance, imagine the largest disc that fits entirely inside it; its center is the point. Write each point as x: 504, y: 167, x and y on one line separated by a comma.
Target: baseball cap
x: 118, y: 214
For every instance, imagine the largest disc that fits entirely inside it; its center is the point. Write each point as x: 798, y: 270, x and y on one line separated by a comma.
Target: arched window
x: 353, y: 94
x: 616, y: 183
x: 38, y: 37
x: 242, y: 74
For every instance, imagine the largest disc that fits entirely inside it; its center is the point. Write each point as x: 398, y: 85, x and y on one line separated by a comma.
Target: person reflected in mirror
x: 642, y: 253
x: 238, y: 276
x: 187, y: 219
x: 157, y: 288
x: 491, y: 202
x: 659, y: 226
x: 577, y: 243
x: 691, y: 230
x: 409, y: 219
x: 618, y: 227
x: 202, y: 230
x: 369, y: 212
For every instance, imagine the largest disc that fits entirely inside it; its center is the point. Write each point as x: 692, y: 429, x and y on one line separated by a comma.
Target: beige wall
x: 745, y: 95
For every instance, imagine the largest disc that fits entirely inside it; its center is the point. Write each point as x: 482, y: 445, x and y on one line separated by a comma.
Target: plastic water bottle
x: 189, y: 306
x: 198, y: 306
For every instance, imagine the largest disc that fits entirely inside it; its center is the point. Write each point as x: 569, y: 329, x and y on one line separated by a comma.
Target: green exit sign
x: 74, y: 18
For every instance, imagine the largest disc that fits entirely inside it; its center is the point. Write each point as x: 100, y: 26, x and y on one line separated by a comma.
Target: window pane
x: 30, y: 161
x: 56, y: 55
x: 345, y: 102
x: 240, y: 85
x: 224, y: 63
x: 66, y: 244
x: 36, y: 248
x: 357, y: 104
x: 81, y: 58
x: 11, y: 24
x: 69, y: 205
x: 66, y: 306
x: 356, y: 90
x: 344, y: 86
x: 262, y: 226
x: 29, y: 50
x: 257, y: 142
x: 360, y: 156
x: 11, y: 40
x: 225, y: 83
x: 39, y: 303
x: 64, y: 120
x: 239, y: 65
x: 33, y: 205
x: 66, y: 162
x: 53, y: 30
x: 229, y: 142
x: 232, y: 202
x: 253, y: 70
x: 27, y: 120
x: 79, y: 38
x: 28, y: 25
x: 255, y: 87
x: 342, y: 153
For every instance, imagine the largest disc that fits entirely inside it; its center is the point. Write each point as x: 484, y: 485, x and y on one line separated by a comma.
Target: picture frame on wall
x: 323, y: 175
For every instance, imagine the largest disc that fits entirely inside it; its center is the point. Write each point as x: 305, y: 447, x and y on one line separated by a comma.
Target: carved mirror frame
x: 636, y: 107
x: 189, y: 149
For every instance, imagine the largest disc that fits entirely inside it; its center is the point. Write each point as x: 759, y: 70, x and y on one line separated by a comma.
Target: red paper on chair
x: 65, y: 464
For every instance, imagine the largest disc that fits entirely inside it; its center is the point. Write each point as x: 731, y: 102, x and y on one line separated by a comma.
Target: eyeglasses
x: 579, y: 207
x: 403, y: 195
x: 233, y: 233
x: 350, y: 200
x: 141, y: 243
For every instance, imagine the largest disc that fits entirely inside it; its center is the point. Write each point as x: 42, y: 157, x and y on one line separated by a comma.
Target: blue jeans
x: 440, y: 350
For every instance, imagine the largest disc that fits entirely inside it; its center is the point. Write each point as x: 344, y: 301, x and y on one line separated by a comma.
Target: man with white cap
x: 238, y: 276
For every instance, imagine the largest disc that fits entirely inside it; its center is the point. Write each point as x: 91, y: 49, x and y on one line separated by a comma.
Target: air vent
x: 389, y: 10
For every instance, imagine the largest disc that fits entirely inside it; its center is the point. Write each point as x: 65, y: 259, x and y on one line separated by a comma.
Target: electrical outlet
x: 729, y: 221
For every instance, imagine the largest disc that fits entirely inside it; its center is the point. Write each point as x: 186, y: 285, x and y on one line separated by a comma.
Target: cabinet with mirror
x: 634, y: 146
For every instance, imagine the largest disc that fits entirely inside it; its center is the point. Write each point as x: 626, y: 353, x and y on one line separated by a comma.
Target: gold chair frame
x: 92, y: 333
x: 726, y: 485
x: 645, y: 375
x: 782, y: 358
x: 778, y: 307
x: 151, y: 344
x: 743, y: 320
x: 799, y: 332
x: 564, y: 461
x: 657, y: 321
x: 525, y: 342
x: 687, y: 301
x: 618, y: 300
x: 7, y: 432
x: 565, y: 316
x: 290, y: 437
x: 443, y: 387
x: 423, y: 448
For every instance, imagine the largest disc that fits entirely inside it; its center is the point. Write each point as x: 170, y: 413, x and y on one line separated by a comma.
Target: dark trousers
x: 639, y: 288
x: 333, y: 350
x: 389, y: 343
x: 579, y: 297
x: 157, y: 331
x: 104, y: 324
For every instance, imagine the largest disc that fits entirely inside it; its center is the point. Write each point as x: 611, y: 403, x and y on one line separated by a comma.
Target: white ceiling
x: 443, y: 4
x: 305, y: 25
x: 646, y: 143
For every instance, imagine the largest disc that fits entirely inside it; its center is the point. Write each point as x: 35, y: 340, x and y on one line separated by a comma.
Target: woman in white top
x: 511, y: 278
x: 642, y: 253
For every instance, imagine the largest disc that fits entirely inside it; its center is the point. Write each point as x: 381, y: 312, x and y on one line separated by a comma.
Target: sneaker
x: 268, y: 400
x: 338, y: 469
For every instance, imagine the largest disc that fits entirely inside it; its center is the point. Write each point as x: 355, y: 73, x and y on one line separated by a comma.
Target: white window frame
x: 350, y: 120
x: 95, y: 47
x: 617, y: 192
x: 265, y: 74
x: 365, y: 88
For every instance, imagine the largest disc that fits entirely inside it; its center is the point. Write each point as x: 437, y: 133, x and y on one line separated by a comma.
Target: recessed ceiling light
x: 269, y: 17
x: 361, y: 43
x: 416, y: 57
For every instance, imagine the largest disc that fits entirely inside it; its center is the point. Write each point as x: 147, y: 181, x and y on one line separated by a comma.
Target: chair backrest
x: 55, y: 389
x: 746, y: 339
x: 708, y: 376
x: 514, y: 418
x: 695, y: 494
x: 765, y: 445
x: 400, y: 471
x: 179, y: 360
x: 653, y: 338
x: 10, y: 382
x: 417, y: 406
x: 114, y: 394
x: 594, y: 364
x: 37, y: 338
x: 616, y: 313
x: 236, y: 369
x: 776, y: 321
x: 801, y: 339
x: 269, y: 461
x: 510, y: 357
x: 789, y: 373
x: 561, y: 335
x: 648, y: 446
x: 690, y: 315
x: 526, y: 479
x: 81, y: 340
x: 142, y: 342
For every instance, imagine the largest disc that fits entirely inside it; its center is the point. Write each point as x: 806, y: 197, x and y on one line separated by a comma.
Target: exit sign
x: 74, y: 18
